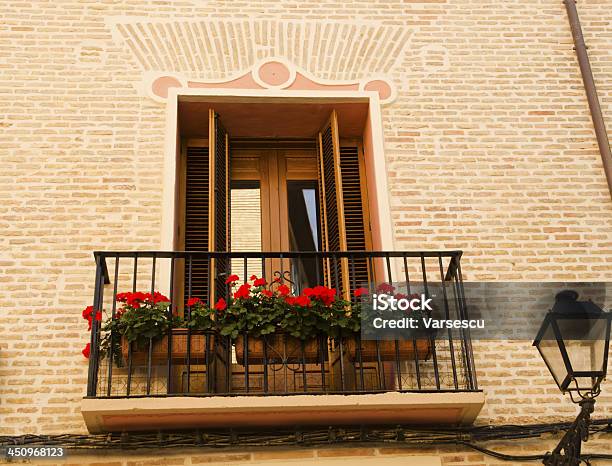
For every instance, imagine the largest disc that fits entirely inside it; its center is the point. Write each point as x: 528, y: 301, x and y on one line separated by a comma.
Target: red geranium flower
x: 267, y: 293
x: 360, y: 292
x: 284, y: 290
x: 243, y: 291
x: 158, y: 298
x: 253, y: 277
x: 322, y: 293
x: 221, y: 305
x: 98, y: 319
x: 193, y: 301
x: 134, y: 299
x: 303, y: 301
x: 290, y: 300
x: 329, y: 298
x: 385, y: 288
x: 232, y: 279
x: 87, y: 315
x: 87, y: 350
x: 260, y: 282
x: 87, y: 312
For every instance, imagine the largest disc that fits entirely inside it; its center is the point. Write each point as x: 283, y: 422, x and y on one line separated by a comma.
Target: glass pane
x: 303, y: 215
x: 584, y: 341
x: 246, y: 226
x: 549, y: 348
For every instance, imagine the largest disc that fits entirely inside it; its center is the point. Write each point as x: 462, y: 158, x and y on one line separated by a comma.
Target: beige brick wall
x: 489, y: 146
x: 321, y: 456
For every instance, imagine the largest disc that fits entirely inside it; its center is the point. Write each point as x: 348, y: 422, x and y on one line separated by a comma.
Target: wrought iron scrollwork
x: 283, y: 276
x: 567, y: 452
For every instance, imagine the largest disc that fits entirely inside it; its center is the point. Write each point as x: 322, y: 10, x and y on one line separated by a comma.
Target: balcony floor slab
x: 178, y: 412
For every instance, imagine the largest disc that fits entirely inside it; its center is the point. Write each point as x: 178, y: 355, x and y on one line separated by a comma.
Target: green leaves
x: 136, y: 324
x: 202, y: 318
x: 257, y: 314
x: 266, y: 313
x: 259, y: 310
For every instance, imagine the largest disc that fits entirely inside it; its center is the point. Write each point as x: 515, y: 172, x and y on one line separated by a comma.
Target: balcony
x: 201, y: 379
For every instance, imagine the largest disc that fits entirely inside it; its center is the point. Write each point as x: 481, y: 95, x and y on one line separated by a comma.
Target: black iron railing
x: 203, y: 363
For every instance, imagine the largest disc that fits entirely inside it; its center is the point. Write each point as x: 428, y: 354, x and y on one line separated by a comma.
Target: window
x: 304, y: 230
x: 245, y: 210
x: 276, y: 194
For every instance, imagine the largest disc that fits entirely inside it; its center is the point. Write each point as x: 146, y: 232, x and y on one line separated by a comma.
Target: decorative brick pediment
x: 271, y: 73
x: 263, y: 53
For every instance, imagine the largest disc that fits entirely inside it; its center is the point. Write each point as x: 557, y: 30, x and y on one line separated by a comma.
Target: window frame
x: 373, y: 146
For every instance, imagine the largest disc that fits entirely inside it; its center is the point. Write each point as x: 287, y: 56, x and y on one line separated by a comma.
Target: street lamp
x: 573, y: 341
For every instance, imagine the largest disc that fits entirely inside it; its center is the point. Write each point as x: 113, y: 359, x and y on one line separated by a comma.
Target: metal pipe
x: 590, y: 89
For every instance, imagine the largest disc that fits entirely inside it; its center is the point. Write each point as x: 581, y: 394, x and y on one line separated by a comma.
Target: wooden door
x: 263, y: 176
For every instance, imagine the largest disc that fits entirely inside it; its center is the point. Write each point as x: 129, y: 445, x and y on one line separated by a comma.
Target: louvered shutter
x: 197, y: 203
x: 332, y: 218
x: 344, y: 214
x: 207, y: 198
x: 219, y: 226
x: 355, y: 212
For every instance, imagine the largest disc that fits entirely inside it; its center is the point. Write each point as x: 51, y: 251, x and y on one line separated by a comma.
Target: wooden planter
x: 388, y: 350
x: 159, y: 354
x: 280, y: 348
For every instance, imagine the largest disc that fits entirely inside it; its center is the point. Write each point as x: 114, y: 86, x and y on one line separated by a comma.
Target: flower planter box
x: 387, y: 350
x: 159, y: 353
x: 280, y: 348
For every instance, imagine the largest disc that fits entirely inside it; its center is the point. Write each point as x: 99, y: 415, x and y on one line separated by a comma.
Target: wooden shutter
x: 356, y: 218
x: 207, y: 198
x: 197, y: 204
x: 219, y: 226
x: 332, y: 218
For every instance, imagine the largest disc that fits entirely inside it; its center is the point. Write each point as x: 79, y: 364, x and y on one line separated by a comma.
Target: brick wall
x: 489, y: 146
x: 322, y: 455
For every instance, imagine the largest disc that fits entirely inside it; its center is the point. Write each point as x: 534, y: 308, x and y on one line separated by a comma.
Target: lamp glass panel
x: 584, y: 341
x: 582, y: 383
x: 549, y: 349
